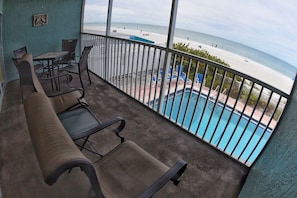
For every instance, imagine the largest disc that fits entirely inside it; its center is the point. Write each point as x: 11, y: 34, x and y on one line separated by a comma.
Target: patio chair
x: 181, y: 74
x: 81, y: 66
x: 170, y: 75
x: 81, y: 123
x: 130, y: 171
x: 70, y: 46
x: 61, y: 101
x: 71, y: 108
x: 125, y: 171
x: 200, y: 78
x: 18, y: 54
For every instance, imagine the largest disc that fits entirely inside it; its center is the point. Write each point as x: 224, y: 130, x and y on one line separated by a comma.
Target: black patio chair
x: 81, y: 123
x: 18, y: 54
x: 81, y: 66
x: 61, y: 101
x: 70, y: 46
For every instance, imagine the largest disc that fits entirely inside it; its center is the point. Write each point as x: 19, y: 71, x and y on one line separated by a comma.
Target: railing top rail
x: 126, y: 40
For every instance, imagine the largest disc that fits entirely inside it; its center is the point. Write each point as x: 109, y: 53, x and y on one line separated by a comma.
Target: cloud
x: 149, y: 12
x: 95, y: 11
x: 130, y: 11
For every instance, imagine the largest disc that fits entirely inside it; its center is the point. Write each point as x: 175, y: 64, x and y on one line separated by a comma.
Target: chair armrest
x: 113, y: 121
x: 174, y: 174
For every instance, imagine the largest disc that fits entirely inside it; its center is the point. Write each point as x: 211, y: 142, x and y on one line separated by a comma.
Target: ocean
x: 224, y: 44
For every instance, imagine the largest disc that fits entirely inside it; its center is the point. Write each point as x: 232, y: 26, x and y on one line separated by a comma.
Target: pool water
x: 214, y: 128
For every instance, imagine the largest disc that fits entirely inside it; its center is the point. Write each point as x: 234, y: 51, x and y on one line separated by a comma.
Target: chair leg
x: 85, y: 141
x: 89, y: 77
x: 83, y: 146
x: 22, y: 92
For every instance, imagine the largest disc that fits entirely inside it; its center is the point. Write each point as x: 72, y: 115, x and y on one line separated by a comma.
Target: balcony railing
x: 231, y: 111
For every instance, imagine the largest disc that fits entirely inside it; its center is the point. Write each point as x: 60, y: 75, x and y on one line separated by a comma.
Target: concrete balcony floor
x: 210, y: 173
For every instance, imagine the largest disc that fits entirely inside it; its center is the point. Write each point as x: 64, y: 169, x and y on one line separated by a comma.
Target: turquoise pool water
x: 215, y: 130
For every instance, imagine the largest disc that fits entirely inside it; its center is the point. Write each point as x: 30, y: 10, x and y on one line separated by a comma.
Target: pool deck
x: 151, y: 91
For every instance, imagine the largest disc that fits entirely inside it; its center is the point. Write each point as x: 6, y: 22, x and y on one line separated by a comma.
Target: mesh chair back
x: 24, y: 72
x: 69, y: 45
x: 83, y: 62
x: 18, y: 53
x: 27, y: 73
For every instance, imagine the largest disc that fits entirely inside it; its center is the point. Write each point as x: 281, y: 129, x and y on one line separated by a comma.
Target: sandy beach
x: 236, y: 62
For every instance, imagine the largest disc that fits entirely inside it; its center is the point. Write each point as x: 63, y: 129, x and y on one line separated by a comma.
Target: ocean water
x: 234, y: 47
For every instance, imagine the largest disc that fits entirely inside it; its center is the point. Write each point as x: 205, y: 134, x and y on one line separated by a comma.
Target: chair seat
x: 78, y: 122
x: 128, y: 170
x: 71, y: 69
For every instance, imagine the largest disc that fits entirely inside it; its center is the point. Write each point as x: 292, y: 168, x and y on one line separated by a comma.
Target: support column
x: 107, y: 41
x: 169, y: 46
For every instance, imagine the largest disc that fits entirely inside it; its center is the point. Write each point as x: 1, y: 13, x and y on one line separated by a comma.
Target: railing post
x: 169, y: 46
x: 107, y: 42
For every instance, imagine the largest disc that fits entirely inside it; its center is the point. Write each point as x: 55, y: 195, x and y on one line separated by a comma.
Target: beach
x: 236, y: 62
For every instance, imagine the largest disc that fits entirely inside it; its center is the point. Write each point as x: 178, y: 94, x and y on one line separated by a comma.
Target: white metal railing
x: 231, y: 111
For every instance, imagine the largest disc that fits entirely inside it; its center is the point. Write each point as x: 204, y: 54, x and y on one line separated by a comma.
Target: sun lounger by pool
x: 200, y: 78
x: 181, y: 74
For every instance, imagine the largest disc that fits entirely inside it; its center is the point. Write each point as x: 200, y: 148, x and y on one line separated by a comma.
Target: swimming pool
x: 242, y: 138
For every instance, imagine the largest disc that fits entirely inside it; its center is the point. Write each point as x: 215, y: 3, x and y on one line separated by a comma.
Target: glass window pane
x: 95, y: 16
x: 141, y: 18
x: 248, y: 35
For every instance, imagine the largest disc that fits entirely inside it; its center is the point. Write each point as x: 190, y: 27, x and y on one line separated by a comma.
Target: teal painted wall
x: 1, y: 6
x: 275, y: 172
x: 63, y: 22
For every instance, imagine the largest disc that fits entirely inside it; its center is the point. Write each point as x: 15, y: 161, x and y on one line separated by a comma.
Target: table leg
x: 50, y: 73
x: 57, y: 87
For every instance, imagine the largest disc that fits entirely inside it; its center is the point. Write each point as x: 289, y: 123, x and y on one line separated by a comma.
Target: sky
x: 267, y: 25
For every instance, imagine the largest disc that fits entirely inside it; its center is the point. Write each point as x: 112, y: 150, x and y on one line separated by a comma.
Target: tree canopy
x: 198, y: 52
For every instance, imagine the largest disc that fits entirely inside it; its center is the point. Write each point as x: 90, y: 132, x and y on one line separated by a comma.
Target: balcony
x: 210, y: 172
x: 140, y: 81
x: 136, y: 96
